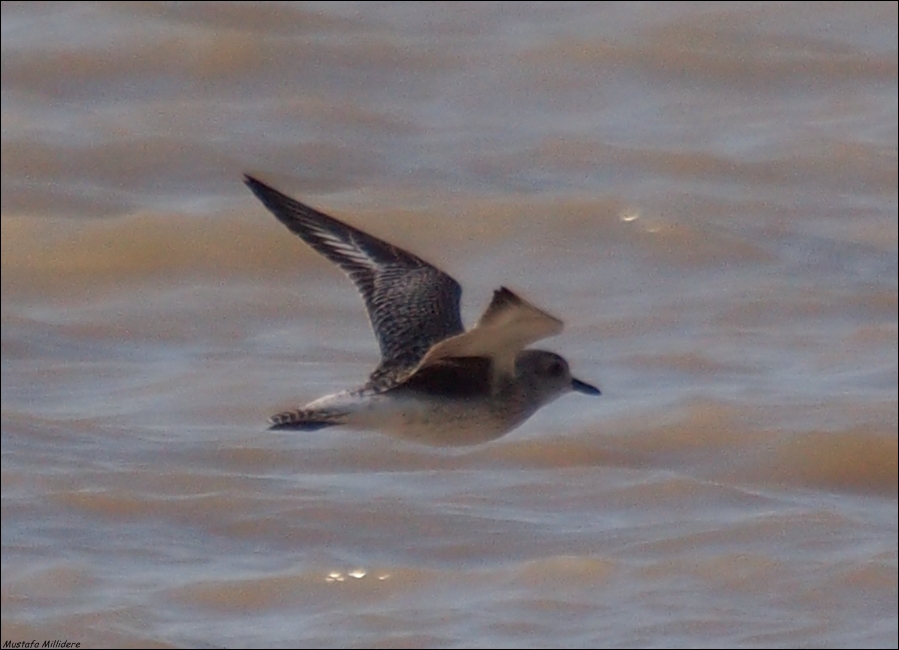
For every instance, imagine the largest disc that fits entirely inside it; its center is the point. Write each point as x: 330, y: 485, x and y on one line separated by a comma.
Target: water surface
x: 704, y: 192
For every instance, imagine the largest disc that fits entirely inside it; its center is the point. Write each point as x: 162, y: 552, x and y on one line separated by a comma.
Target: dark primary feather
x: 411, y: 304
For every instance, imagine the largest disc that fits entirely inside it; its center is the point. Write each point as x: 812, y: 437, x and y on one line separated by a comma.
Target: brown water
x: 706, y: 193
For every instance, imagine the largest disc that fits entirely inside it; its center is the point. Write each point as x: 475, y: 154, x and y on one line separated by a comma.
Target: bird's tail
x: 305, y: 420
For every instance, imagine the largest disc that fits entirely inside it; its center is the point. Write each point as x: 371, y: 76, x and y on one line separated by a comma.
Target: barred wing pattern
x: 411, y: 304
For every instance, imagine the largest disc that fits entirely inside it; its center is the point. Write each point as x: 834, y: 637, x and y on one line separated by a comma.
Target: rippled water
x: 706, y: 194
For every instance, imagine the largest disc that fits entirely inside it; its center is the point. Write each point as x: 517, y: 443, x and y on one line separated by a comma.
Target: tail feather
x: 300, y: 420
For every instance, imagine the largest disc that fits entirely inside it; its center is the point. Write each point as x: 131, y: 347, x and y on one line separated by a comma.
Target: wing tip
x: 504, y: 298
x: 258, y: 187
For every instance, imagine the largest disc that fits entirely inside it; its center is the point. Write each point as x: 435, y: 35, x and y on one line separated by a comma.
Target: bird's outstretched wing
x: 411, y: 304
x: 509, y: 324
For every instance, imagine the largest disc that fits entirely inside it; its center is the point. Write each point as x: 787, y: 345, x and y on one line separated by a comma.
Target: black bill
x: 584, y: 387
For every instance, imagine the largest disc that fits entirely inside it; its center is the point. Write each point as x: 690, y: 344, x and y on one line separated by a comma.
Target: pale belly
x: 439, y: 422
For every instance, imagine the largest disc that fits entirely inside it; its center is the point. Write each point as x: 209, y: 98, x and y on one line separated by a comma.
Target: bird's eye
x: 555, y: 369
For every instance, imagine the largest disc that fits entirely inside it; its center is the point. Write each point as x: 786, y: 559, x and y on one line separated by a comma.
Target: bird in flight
x: 436, y: 383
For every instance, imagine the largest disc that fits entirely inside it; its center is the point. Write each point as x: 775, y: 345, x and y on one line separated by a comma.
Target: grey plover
x: 436, y: 383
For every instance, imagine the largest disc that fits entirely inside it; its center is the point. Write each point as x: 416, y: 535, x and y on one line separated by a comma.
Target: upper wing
x: 509, y: 324
x: 411, y: 304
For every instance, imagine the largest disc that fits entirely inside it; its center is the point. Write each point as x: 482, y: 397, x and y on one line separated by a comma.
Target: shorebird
x: 436, y: 383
